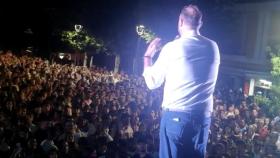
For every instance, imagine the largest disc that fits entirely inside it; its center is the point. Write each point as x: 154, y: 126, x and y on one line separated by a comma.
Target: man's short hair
x: 192, y: 15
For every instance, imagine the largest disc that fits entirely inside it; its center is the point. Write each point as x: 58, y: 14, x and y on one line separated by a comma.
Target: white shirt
x: 189, y: 67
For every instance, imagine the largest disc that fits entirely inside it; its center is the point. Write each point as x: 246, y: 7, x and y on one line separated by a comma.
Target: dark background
x: 113, y: 21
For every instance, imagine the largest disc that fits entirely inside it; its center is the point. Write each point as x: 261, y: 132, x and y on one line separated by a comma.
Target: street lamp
x: 78, y: 28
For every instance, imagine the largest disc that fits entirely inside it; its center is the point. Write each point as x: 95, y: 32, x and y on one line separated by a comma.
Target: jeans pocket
x: 201, y: 129
x: 175, y: 127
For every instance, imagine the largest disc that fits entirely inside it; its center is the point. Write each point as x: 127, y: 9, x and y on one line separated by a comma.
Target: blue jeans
x: 183, y: 135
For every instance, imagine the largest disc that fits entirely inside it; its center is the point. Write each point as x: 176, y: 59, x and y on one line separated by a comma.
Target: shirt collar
x: 190, y: 33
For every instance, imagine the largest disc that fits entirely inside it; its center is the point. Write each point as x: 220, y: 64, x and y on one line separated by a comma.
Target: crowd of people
x: 52, y: 110
x: 241, y: 128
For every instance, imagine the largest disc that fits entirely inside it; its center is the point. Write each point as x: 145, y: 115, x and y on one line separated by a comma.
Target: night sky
x: 113, y: 21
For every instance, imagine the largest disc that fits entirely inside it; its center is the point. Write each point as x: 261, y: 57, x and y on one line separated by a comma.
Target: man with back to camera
x: 188, y: 67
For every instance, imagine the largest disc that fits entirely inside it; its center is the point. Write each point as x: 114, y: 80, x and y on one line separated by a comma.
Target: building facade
x: 256, y: 26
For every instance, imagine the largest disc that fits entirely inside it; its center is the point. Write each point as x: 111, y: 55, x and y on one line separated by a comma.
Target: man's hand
x: 153, y: 47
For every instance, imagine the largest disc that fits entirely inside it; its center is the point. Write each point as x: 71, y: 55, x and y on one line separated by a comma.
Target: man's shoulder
x: 168, y: 45
x: 174, y: 43
x: 179, y: 42
x: 208, y: 40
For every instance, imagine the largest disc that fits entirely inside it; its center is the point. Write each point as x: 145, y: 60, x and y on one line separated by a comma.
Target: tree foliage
x: 81, y: 40
x: 272, y: 101
x: 274, y: 53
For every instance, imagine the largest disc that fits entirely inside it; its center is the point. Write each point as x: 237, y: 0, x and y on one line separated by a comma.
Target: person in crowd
x: 53, y: 110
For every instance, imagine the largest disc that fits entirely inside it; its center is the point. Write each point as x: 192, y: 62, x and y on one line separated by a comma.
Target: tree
x: 274, y: 54
x: 80, y: 40
x: 272, y: 102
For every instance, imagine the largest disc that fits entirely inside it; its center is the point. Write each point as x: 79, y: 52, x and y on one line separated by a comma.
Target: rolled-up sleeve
x: 155, y: 75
